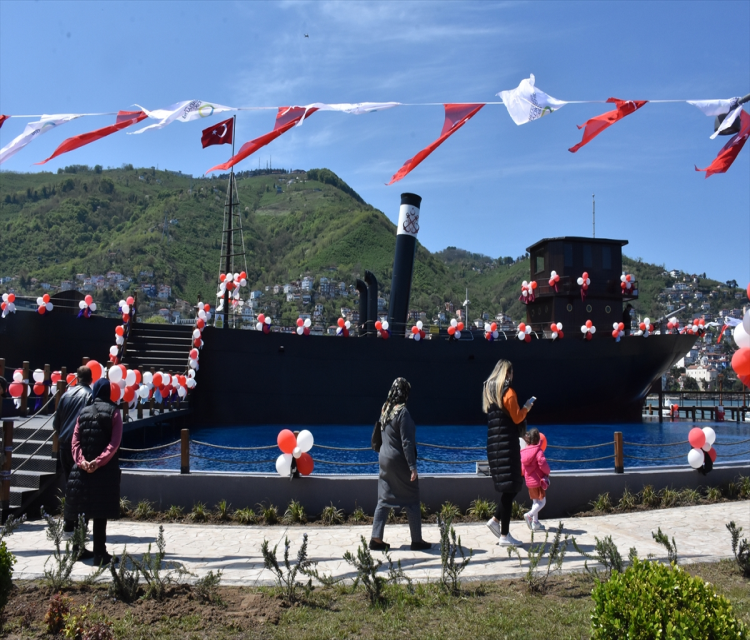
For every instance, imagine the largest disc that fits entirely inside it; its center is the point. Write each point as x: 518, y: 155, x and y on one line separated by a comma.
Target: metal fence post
x: 47, y: 389
x: 185, y: 451
x: 619, y: 460
x: 7, y: 465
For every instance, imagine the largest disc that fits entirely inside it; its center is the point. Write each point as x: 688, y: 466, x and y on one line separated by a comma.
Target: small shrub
x: 628, y: 501
x: 222, y: 511
x: 450, y: 546
x: 653, y: 600
x: 731, y: 490
x: 713, y: 494
x: 174, y: 512
x: 100, y: 630
x: 743, y: 487
x: 740, y: 549
x: 669, y: 497
x: 199, y: 512
x: 207, y: 588
x: 649, y: 496
x: 367, y: 572
x: 449, y: 511
x: 11, y: 524
x: 83, y: 623
x: 57, y: 610
x: 663, y: 540
x: 270, y: 514
x: 358, y: 515
x: 124, y: 506
x: 125, y: 578
x: 157, y: 573
x: 332, y: 515
x: 144, y: 510
x: 424, y: 512
x: 246, y: 516
x: 481, y: 509
x: 690, y: 497
x: 295, y: 512
x: 287, y: 576
x: 606, y: 554
x: 7, y: 560
x: 602, y: 503
x: 537, y: 581
x: 392, y: 516
x: 58, y: 575
x: 517, y: 511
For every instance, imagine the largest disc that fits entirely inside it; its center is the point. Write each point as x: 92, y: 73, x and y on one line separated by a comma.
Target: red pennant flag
x: 596, y: 125
x: 123, y: 121
x: 220, y: 133
x: 731, y: 149
x: 3, y: 119
x: 286, y: 118
x: 456, y: 116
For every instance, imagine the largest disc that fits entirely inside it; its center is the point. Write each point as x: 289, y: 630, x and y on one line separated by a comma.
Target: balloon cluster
x: 295, y: 448
x: 554, y: 279
x: 382, y: 329
x: 231, y: 282
x: 343, y: 328
x: 264, y: 323
x: 490, y: 331
x: 618, y: 330
x: 673, y: 325
x: 87, y: 306
x: 741, y: 357
x: 121, y: 332
x: 17, y: 387
x: 417, y: 331
x: 204, y: 315
x: 303, y: 326
x: 158, y: 385
x: 702, y: 441
x: 584, y: 281
x: 695, y: 329
x: 588, y: 330
x: 645, y: 328
x: 8, y: 305
x: 527, y: 291
x: 556, y: 329
x: 524, y: 332
x: 43, y: 304
x: 626, y: 282
x: 454, y: 331
x: 126, y: 308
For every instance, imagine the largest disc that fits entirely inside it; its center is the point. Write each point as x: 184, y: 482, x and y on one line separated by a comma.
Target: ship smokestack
x: 372, y: 303
x: 362, y: 326
x: 403, y: 262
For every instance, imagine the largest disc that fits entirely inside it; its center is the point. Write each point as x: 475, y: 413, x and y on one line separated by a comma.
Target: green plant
x: 125, y: 578
x: 144, y: 510
x: 649, y: 496
x: 481, y: 509
x: 155, y: 571
x: 740, y: 548
x: 11, y: 524
x: 537, y: 581
x: 602, y: 503
x: 84, y: 623
x: 222, y: 510
x: 358, y: 515
x: 287, y: 576
x: 367, y: 571
x: 98, y: 630
x: 653, y: 600
x: 606, y: 554
x: 174, y: 512
x: 332, y: 515
x: 295, y: 512
x: 199, y: 512
x: 270, y: 514
x: 124, y: 506
x: 424, y: 512
x: 663, y: 540
x: 391, y: 516
x: 246, y: 516
x: 669, y: 497
x: 731, y: 490
x: 627, y: 501
x: 449, y: 511
x: 57, y: 609
x: 690, y: 496
x: 62, y: 562
x: 516, y: 511
x: 713, y: 494
x: 450, y: 547
x: 7, y: 560
x: 743, y: 487
x: 207, y: 587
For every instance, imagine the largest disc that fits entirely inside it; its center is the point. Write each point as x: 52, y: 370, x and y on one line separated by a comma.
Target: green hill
x: 84, y: 220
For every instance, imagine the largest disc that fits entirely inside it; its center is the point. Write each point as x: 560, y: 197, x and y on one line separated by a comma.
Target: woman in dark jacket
x: 94, y: 484
x: 505, y: 425
x: 398, y: 485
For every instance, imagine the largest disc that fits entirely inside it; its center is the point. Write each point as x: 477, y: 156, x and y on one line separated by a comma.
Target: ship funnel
x: 372, y: 303
x: 403, y: 262
x: 362, y: 326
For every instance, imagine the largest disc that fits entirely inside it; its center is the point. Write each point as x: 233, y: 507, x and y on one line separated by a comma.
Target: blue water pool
x: 729, y: 443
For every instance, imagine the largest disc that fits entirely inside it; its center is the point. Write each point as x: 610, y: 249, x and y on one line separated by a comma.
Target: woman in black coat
x: 93, y: 488
x: 505, y: 425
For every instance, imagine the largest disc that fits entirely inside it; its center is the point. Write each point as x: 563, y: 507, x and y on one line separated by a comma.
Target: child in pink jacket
x: 536, y: 471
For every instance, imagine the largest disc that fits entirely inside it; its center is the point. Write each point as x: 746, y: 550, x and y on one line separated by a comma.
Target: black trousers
x: 100, y: 533
x: 504, y: 510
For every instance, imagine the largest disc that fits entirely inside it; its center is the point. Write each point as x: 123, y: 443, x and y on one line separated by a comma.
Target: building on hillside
x: 46, y: 286
x: 346, y: 312
x: 183, y: 306
x: 164, y: 292
x: 318, y: 311
x: 307, y: 283
x: 80, y: 276
x: 255, y: 294
x: 277, y: 288
x: 701, y: 374
x: 149, y: 290
x: 67, y: 285
x: 306, y: 298
x: 381, y: 304
x: 324, y: 286
x: 146, y: 273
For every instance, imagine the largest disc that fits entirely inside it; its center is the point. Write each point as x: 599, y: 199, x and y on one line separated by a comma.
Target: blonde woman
x: 505, y: 424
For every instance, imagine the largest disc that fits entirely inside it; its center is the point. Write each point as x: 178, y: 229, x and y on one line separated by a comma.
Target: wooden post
x: 47, y: 389
x: 185, y: 451
x: 7, y: 465
x: 151, y: 399
x: 84, y: 360
x: 139, y: 404
x: 24, y: 410
x: 619, y: 460
x: 62, y: 386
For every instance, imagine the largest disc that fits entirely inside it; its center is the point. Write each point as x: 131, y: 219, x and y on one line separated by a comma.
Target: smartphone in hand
x: 530, y: 401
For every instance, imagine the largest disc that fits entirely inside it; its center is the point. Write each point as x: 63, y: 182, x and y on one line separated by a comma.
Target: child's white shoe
x: 537, y: 526
x: 529, y: 520
x: 507, y: 541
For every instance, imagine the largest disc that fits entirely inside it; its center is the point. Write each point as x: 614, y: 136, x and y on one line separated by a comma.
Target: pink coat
x: 534, y: 465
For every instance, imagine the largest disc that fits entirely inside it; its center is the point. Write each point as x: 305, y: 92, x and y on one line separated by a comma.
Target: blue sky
x: 494, y: 187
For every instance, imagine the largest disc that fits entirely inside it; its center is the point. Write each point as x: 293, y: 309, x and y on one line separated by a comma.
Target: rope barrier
x: 31, y: 457
x: 177, y: 455
x: 31, y: 417
x: 734, y: 455
x: 581, y: 461
x: 320, y: 446
x: 347, y: 464
x: 591, y: 446
x: 451, y: 461
x: 442, y: 446
x: 682, y: 455
x: 192, y: 455
x: 729, y: 444
x: 218, y: 446
x: 161, y: 446
x: 666, y: 444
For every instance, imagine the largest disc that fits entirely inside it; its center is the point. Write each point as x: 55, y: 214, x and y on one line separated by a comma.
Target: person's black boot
x: 105, y: 559
x: 379, y: 546
x: 84, y: 555
x: 421, y: 545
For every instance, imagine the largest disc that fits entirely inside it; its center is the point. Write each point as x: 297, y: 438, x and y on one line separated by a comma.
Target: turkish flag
x: 596, y: 125
x: 220, y: 133
x: 731, y: 149
x: 3, y: 119
x: 456, y: 116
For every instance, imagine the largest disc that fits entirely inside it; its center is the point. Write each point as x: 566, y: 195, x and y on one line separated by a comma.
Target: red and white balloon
x: 343, y: 327
x: 584, y: 282
x: 702, y: 441
x: 645, y: 328
x: 264, y: 323
x: 43, y: 304
x: 556, y: 330
x: 524, y: 332
x: 8, y: 305
x: 417, y: 331
x: 87, y: 307
x: 527, y: 291
x: 454, y: 331
x: 382, y: 329
x: 490, y: 331
x: 626, y: 282
x: 295, y: 448
x: 554, y: 280
x: 303, y: 326
x: 588, y: 330
x: 618, y: 330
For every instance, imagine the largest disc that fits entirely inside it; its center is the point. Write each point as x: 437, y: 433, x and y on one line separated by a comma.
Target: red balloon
x: 222, y: 277
x: 130, y: 300
x: 15, y: 389
x: 378, y: 325
x: 415, y: 330
x: 696, y: 438
x: 543, y: 441
x: 45, y: 298
x: 385, y: 335
x: 615, y: 333
x: 197, y: 342
x: 741, y: 361
x: 493, y: 326
x: 341, y: 322
x: 42, y: 310
x: 748, y: 293
x: 460, y: 326
x: 521, y: 327
x: 300, y: 322
x: 745, y: 380
x: 621, y: 326
x: 266, y: 328
x: 114, y: 393
x: 589, y: 324
x: 128, y: 394
x: 11, y: 297
x: 200, y: 323
x: 126, y: 317
x: 88, y: 299
x: 243, y: 275
x: 306, y: 331
x: 305, y: 464
x: 588, y: 336
x: 120, y: 330
x: 488, y: 336
x: 560, y: 334
x: 451, y: 330
x: 96, y: 370
x: 207, y: 308
x: 553, y: 328
x: 39, y: 389
x: 138, y: 378
x: 55, y: 377
x: 194, y: 354
x: 286, y: 441
x: 712, y: 454
x: 527, y: 337
x: 157, y: 380
x: 71, y: 379
x: 585, y: 275
x: 533, y: 284
x: 261, y: 317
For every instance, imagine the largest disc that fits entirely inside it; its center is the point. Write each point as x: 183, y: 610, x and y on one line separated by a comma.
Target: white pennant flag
x: 527, y: 103
x: 34, y: 130
x: 356, y: 108
x: 718, y: 108
x: 185, y: 111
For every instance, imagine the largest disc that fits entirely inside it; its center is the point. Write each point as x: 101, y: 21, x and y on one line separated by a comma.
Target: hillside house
x: 67, y: 285
x: 164, y: 292
x: 307, y: 283
x: 306, y: 298
x: 254, y: 295
x: 381, y: 304
x: 325, y: 286
x: 277, y: 288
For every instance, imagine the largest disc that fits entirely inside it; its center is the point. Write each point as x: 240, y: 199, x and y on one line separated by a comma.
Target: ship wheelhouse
x: 570, y: 257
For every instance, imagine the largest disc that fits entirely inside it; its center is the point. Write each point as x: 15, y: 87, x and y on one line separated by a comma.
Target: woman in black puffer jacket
x: 505, y: 425
x: 94, y: 484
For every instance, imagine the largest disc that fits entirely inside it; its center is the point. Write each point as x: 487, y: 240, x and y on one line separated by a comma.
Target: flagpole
x: 230, y: 238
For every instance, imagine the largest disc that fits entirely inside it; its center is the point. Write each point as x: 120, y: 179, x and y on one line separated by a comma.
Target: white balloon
x: 126, y: 309
x: 143, y: 391
x: 119, y: 340
x: 182, y: 392
x: 584, y: 328
x: 559, y: 326
x: 710, y: 435
x: 746, y: 322
x: 166, y: 379
x: 268, y: 320
x: 487, y: 327
x: 495, y: 335
x: 593, y: 329
x: 554, y: 335
x: 348, y: 324
x: 296, y: 452
x: 130, y: 378
x: 284, y: 464
x: 417, y: 337
x: 38, y: 375
x: 49, y: 306
x: 706, y: 447
x: 580, y: 281
x: 523, y: 443
x: 92, y: 306
x: 243, y: 282
x: 17, y: 376
x: 201, y: 305
x: 454, y: 322
x: 385, y: 325
x: 148, y: 377
x: 191, y: 382
x: 521, y: 335
x: 196, y: 333
x: 305, y: 441
x: 527, y: 331
x: 457, y: 335
x: 419, y: 325
x: 121, y: 384
x: 553, y: 274
x: 300, y: 331
x: 308, y: 323
x: 193, y: 364
x: 202, y: 314
x: 259, y: 326
x: 695, y: 458
x: 82, y: 304
x: 647, y: 321
x: 40, y: 301
x: 191, y: 374
x: 741, y: 337
x: 5, y: 297
x: 122, y: 303
x: 114, y: 374
x: 113, y: 351
x: 615, y: 325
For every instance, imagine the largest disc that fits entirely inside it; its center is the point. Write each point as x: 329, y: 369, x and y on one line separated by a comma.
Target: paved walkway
x: 699, y: 532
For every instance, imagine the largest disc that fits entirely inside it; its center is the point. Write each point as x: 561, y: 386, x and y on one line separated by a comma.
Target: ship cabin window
x: 607, y: 258
x: 588, y: 260
x: 539, y: 263
x: 568, y: 251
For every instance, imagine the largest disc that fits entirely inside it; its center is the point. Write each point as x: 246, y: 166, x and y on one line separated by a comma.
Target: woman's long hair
x: 496, y: 385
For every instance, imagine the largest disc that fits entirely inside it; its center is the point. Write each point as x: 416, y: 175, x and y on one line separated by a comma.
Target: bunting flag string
x: 124, y: 120
x: 594, y: 126
x: 32, y: 131
x: 3, y: 119
x: 731, y: 149
x: 456, y: 116
x: 526, y: 103
x: 185, y: 111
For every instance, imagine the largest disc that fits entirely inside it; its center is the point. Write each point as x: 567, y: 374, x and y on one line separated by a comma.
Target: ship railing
x: 200, y: 450
x: 568, y: 285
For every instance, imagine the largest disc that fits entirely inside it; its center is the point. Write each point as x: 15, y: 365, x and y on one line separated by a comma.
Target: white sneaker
x: 506, y: 541
x: 494, y: 526
x: 537, y: 526
x: 529, y: 520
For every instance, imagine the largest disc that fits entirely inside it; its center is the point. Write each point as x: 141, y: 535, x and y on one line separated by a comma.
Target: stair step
x: 29, y: 447
x: 17, y: 495
x: 29, y: 479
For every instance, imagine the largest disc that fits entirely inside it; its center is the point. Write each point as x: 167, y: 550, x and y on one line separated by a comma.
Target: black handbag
x: 377, y: 437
